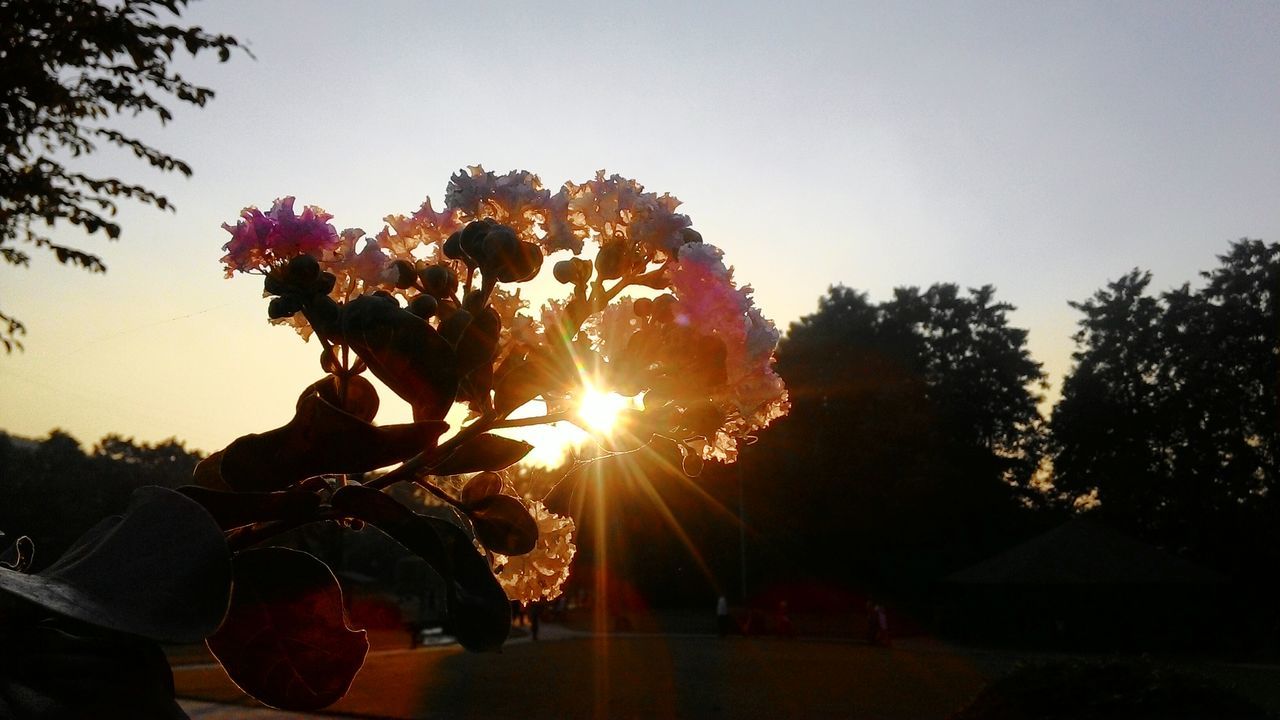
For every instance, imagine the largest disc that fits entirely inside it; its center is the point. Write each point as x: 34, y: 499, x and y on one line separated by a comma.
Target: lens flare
x: 599, y: 410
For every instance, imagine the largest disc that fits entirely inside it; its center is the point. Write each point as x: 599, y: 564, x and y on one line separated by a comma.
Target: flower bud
x: 283, y: 307
x: 439, y: 280
x: 405, y: 275
x: 563, y: 272
x: 499, y: 246
x: 664, y: 308
x: 453, y: 246
x: 472, y: 239
x: 424, y: 306
x: 642, y: 307
x: 689, y: 235
x: 611, y: 261
x: 301, y: 270
x: 523, y: 265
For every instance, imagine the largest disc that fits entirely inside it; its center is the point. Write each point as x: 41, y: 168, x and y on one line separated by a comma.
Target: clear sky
x: 1044, y: 148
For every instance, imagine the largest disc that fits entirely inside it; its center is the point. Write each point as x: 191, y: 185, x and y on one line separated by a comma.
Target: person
x: 783, y: 620
x: 535, y: 609
x: 873, y: 623
x: 722, y: 616
x: 882, y: 627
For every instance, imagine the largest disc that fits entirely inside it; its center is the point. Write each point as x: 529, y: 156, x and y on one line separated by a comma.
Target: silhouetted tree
x: 1169, y: 417
x: 913, y: 434
x: 68, y: 66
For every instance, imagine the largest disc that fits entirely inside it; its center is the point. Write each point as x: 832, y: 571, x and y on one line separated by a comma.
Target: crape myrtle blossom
x: 540, y: 573
x: 712, y: 304
x: 707, y: 354
x: 261, y: 241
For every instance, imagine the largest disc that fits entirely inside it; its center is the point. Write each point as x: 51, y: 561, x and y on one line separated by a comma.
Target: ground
x: 576, y: 675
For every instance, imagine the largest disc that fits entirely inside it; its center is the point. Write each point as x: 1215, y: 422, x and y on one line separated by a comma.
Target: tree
x: 1169, y: 417
x: 913, y: 434
x: 69, y: 66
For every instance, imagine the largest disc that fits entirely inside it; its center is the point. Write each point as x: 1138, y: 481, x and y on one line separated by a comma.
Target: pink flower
x: 712, y: 304
x: 261, y: 241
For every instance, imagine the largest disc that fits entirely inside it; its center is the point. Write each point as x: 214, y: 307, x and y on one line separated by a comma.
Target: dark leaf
x: 483, y: 452
x: 285, y: 640
x: 19, y: 555
x: 479, y: 612
x: 321, y: 439
x: 161, y: 571
x: 237, y: 509
x: 359, y: 397
x: 480, y: 487
x: 402, y: 350
x: 208, y: 473
x: 503, y: 524
x: 48, y: 671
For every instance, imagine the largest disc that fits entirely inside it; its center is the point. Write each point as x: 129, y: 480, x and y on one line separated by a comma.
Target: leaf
x: 161, y: 571
x: 237, y: 509
x: 208, y: 472
x: 481, y: 486
x: 361, y: 397
x: 503, y: 524
x: 402, y: 350
x: 483, y: 452
x: 52, y: 669
x: 479, y: 612
x: 321, y: 439
x: 285, y: 640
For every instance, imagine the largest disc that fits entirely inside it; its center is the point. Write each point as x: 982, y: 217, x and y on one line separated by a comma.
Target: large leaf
x: 403, y: 351
x: 321, y: 439
x: 285, y: 640
x: 59, y: 670
x: 479, y: 611
x: 237, y: 509
x: 503, y: 524
x: 482, y: 452
x: 161, y: 571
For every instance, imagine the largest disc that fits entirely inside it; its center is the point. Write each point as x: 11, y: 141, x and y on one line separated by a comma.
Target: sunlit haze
x: 1043, y: 148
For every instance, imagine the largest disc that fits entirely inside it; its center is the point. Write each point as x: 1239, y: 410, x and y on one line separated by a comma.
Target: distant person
x: 882, y: 627
x: 783, y: 620
x: 722, y: 616
x: 535, y: 610
x: 873, y: 623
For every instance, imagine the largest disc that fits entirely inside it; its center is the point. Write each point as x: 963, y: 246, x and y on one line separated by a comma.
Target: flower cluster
x: 539, y: 574
x: 424, y: 306
x: 262, y: 241
x: 710, y: 302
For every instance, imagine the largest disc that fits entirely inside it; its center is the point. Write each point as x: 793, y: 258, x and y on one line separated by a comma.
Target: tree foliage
x: 1169, y: 416
x: 914, y: 432
x: 69, y: 67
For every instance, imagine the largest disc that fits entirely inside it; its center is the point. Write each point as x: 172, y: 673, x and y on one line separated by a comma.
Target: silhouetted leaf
x: 321, y: 439
x: 237, y: 509
x: 208, y: 473
x: 161, y: 571
x: 481, y: 486
x: 503, y: 524
x: 483, y: 452
x: 60, y: 670
x: 402, y: 350
x: 285, y: 640
x: 19, y: 555
x: 479, y: 614
x: 360, y: 398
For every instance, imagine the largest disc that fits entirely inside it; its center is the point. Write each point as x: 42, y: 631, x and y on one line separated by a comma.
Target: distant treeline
x: 52, y: 490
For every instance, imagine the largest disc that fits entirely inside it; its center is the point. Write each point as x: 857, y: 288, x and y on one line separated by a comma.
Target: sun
x: 599, y: 410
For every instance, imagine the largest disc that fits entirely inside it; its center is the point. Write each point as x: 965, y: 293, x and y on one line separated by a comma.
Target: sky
x: 1043, y: 148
